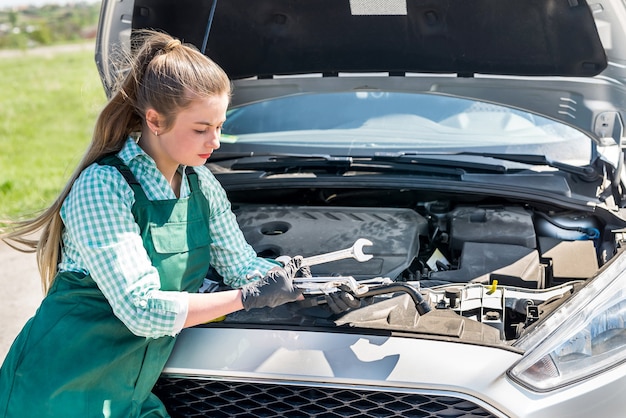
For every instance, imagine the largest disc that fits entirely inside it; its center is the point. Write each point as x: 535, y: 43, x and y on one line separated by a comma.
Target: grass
x: 48, y: 107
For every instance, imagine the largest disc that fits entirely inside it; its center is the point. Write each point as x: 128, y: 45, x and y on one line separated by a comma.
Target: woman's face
x: 195, y: 133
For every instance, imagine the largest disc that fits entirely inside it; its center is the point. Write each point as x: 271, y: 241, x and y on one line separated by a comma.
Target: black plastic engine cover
x: 496, y: 225
x: 514, y: 265
x: 307, y: 231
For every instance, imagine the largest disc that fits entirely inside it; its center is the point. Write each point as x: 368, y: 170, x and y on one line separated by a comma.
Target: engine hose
x: 420, y: 304
x: 592, y: 233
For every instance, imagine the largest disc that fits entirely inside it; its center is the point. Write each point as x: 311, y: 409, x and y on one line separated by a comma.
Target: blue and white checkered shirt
x: 102, y: 238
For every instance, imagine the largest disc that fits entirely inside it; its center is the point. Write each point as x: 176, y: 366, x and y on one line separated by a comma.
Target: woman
x: 127, y: 244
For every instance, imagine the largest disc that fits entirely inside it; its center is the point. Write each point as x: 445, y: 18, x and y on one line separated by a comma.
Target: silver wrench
x: 356, y: 252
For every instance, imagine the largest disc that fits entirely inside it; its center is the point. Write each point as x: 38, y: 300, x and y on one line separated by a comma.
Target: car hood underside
x: 270, y: 37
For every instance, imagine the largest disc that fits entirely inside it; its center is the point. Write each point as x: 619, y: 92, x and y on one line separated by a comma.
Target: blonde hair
x: 165, y: 75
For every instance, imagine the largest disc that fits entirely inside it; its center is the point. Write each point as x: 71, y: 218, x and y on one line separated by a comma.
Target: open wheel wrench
x: 356, y: 252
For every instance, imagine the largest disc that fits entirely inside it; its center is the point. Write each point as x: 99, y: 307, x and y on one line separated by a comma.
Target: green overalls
x: 75, y: 358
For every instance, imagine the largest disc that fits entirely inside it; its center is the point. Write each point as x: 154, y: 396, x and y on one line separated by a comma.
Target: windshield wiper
x: 334, y: 164
x: 588, y: 172
x: 278, y: 162
x: 585, y: 172
x: 436, y: 160
x: 433, y: 163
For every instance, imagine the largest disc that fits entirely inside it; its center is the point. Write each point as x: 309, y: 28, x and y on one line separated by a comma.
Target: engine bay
x: 467, y: 244
x: 486, y: 272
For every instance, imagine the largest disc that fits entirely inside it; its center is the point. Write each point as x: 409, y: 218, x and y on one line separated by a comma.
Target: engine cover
x: 307, y: 231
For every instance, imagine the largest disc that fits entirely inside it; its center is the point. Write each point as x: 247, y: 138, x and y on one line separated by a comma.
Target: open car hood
x: 270, y: 37
x: 559, y: 58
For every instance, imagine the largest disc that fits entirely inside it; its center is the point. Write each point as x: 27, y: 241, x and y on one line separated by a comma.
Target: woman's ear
x: 154, y: 121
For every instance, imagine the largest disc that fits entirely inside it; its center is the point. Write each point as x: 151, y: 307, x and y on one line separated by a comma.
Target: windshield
x: 373, y: 122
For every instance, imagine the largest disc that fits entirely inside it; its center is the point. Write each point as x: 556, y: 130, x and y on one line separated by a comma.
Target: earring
x: 156, y: 133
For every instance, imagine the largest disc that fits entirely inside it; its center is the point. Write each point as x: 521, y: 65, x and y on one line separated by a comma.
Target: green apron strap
x: 115, y: 161
x: 192, y: 179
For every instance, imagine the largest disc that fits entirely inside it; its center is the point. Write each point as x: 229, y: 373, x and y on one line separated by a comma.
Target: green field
x: 48, y: 107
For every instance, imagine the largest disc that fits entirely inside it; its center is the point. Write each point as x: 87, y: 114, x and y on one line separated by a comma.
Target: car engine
x: 498, y: 266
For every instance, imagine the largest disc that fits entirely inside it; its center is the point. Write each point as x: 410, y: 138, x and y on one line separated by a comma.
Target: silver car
x: 466, y: 155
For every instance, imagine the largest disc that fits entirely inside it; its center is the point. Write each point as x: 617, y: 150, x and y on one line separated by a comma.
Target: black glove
x: 341, y: 301
x: 275, y: 289
x: 338, y: 302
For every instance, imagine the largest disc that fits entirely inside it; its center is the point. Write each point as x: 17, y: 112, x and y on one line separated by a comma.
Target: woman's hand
x: 275, y: 289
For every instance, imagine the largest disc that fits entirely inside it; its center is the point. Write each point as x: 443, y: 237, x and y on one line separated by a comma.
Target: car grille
x: 207, y: 398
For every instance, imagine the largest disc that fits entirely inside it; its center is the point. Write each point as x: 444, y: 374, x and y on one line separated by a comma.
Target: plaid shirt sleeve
x: 231, y: 255
x: 102, y: 238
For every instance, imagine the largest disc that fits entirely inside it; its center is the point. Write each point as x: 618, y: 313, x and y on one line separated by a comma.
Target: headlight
x: 584, y: 337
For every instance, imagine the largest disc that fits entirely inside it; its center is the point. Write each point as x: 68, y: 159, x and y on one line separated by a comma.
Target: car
x: 465, y: 160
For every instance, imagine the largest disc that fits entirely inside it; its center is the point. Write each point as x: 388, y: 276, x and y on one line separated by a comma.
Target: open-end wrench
x: 356, y: 252
x: 322, y: 285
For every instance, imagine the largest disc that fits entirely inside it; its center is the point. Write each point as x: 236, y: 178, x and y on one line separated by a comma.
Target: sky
x: 11, y: 3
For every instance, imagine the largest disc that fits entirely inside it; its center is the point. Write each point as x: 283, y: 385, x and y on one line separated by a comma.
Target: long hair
x: 163, y: 74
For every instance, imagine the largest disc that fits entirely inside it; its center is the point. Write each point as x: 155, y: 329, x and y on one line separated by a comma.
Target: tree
x: 13, y: 18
